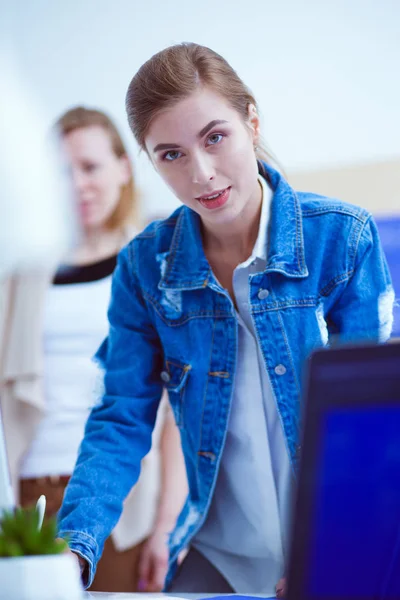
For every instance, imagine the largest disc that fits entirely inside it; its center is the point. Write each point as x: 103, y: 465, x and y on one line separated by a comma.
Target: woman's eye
x: 90, y: 167
x: 172, y: 155
x: 214, y: 138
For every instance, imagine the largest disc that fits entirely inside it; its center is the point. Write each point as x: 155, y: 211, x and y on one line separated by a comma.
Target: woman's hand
x: 280, y: 588
x: 153, y: 562
x: 81, y: 561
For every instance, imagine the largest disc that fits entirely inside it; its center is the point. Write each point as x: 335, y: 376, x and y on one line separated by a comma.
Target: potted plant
x: 34, y: 564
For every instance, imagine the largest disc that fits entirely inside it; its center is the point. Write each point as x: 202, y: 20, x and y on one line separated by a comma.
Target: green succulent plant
x: 20, y: 534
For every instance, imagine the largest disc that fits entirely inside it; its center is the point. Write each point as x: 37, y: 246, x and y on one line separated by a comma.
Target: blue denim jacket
x: 172, y: 324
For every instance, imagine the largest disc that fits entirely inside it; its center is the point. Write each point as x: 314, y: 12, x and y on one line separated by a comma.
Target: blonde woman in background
x: 53, y: 324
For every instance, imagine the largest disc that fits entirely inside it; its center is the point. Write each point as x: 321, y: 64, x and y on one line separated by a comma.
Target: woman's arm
x: 174, y: 488
x: 118, y: 432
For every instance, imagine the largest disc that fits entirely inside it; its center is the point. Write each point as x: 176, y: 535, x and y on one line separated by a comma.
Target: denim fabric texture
x: 172, y: 325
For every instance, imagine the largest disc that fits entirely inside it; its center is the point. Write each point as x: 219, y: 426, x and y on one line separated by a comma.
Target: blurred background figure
x: 54, y: 320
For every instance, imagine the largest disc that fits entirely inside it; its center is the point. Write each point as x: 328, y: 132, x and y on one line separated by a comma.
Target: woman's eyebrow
x: 165, y: 147
x: 210, y: 125
x: 201, y: 133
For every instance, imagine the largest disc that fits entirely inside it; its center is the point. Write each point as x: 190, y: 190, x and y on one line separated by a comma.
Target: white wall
x: 326, y: 74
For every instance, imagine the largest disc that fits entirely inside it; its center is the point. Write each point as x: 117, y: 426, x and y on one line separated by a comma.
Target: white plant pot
x: 51, y: 577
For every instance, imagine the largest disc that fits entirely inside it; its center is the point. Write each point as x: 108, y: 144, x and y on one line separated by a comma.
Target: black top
x: 67, y: 274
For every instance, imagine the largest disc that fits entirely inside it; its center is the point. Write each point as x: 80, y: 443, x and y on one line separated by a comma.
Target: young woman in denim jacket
x: 221, y: 303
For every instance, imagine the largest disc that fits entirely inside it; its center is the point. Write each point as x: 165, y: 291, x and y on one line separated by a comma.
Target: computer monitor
x: 7, y: 501
x: 346, y: 525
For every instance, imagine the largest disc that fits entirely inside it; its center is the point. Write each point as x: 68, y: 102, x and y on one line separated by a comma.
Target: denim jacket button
x: 262, y: 294
x: 280, y: 369
x: 165, y: 376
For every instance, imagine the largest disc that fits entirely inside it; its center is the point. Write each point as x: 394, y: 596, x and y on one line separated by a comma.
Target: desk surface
x: 143, y: 596
x: 125, y: 596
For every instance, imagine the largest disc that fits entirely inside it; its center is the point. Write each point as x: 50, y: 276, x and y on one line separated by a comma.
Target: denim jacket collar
x: 188, y: 268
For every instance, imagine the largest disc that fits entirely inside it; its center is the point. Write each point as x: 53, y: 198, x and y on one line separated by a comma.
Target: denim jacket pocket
x: 175, y: 380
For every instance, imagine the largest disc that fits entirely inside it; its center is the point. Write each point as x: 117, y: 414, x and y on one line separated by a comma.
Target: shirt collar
x: 260, y: 249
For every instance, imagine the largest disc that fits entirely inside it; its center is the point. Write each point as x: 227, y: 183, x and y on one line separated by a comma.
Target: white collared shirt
x: 245, y: 533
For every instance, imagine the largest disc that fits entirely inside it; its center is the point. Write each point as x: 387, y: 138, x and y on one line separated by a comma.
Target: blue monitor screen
x: 354, y: 547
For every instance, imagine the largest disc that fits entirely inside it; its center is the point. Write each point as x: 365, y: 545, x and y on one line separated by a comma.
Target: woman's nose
x: 79, y: 180
x: 202, y: 169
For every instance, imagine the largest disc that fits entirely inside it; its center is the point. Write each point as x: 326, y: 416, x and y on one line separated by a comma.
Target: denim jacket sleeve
x: 119, y: 429
x: 364, y: 310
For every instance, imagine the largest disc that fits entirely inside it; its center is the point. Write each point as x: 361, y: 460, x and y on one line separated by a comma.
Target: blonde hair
x: 80, y: 117
x: 174, y: 74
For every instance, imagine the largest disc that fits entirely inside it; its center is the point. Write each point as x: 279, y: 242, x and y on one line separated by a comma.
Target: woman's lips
x: 215, y: 201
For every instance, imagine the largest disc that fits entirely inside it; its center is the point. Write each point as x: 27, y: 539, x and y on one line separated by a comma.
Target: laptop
x: 7, y: 501
x: 346, y: 526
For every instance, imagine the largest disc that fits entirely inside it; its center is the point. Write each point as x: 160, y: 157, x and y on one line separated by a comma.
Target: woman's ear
x: 254, y: 123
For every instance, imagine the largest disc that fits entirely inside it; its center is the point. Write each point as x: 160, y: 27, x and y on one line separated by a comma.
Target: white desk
x: 143, y: 596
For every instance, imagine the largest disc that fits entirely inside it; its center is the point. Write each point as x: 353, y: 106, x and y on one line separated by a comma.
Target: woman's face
x: 204, y: 151
x: 97, y: 174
